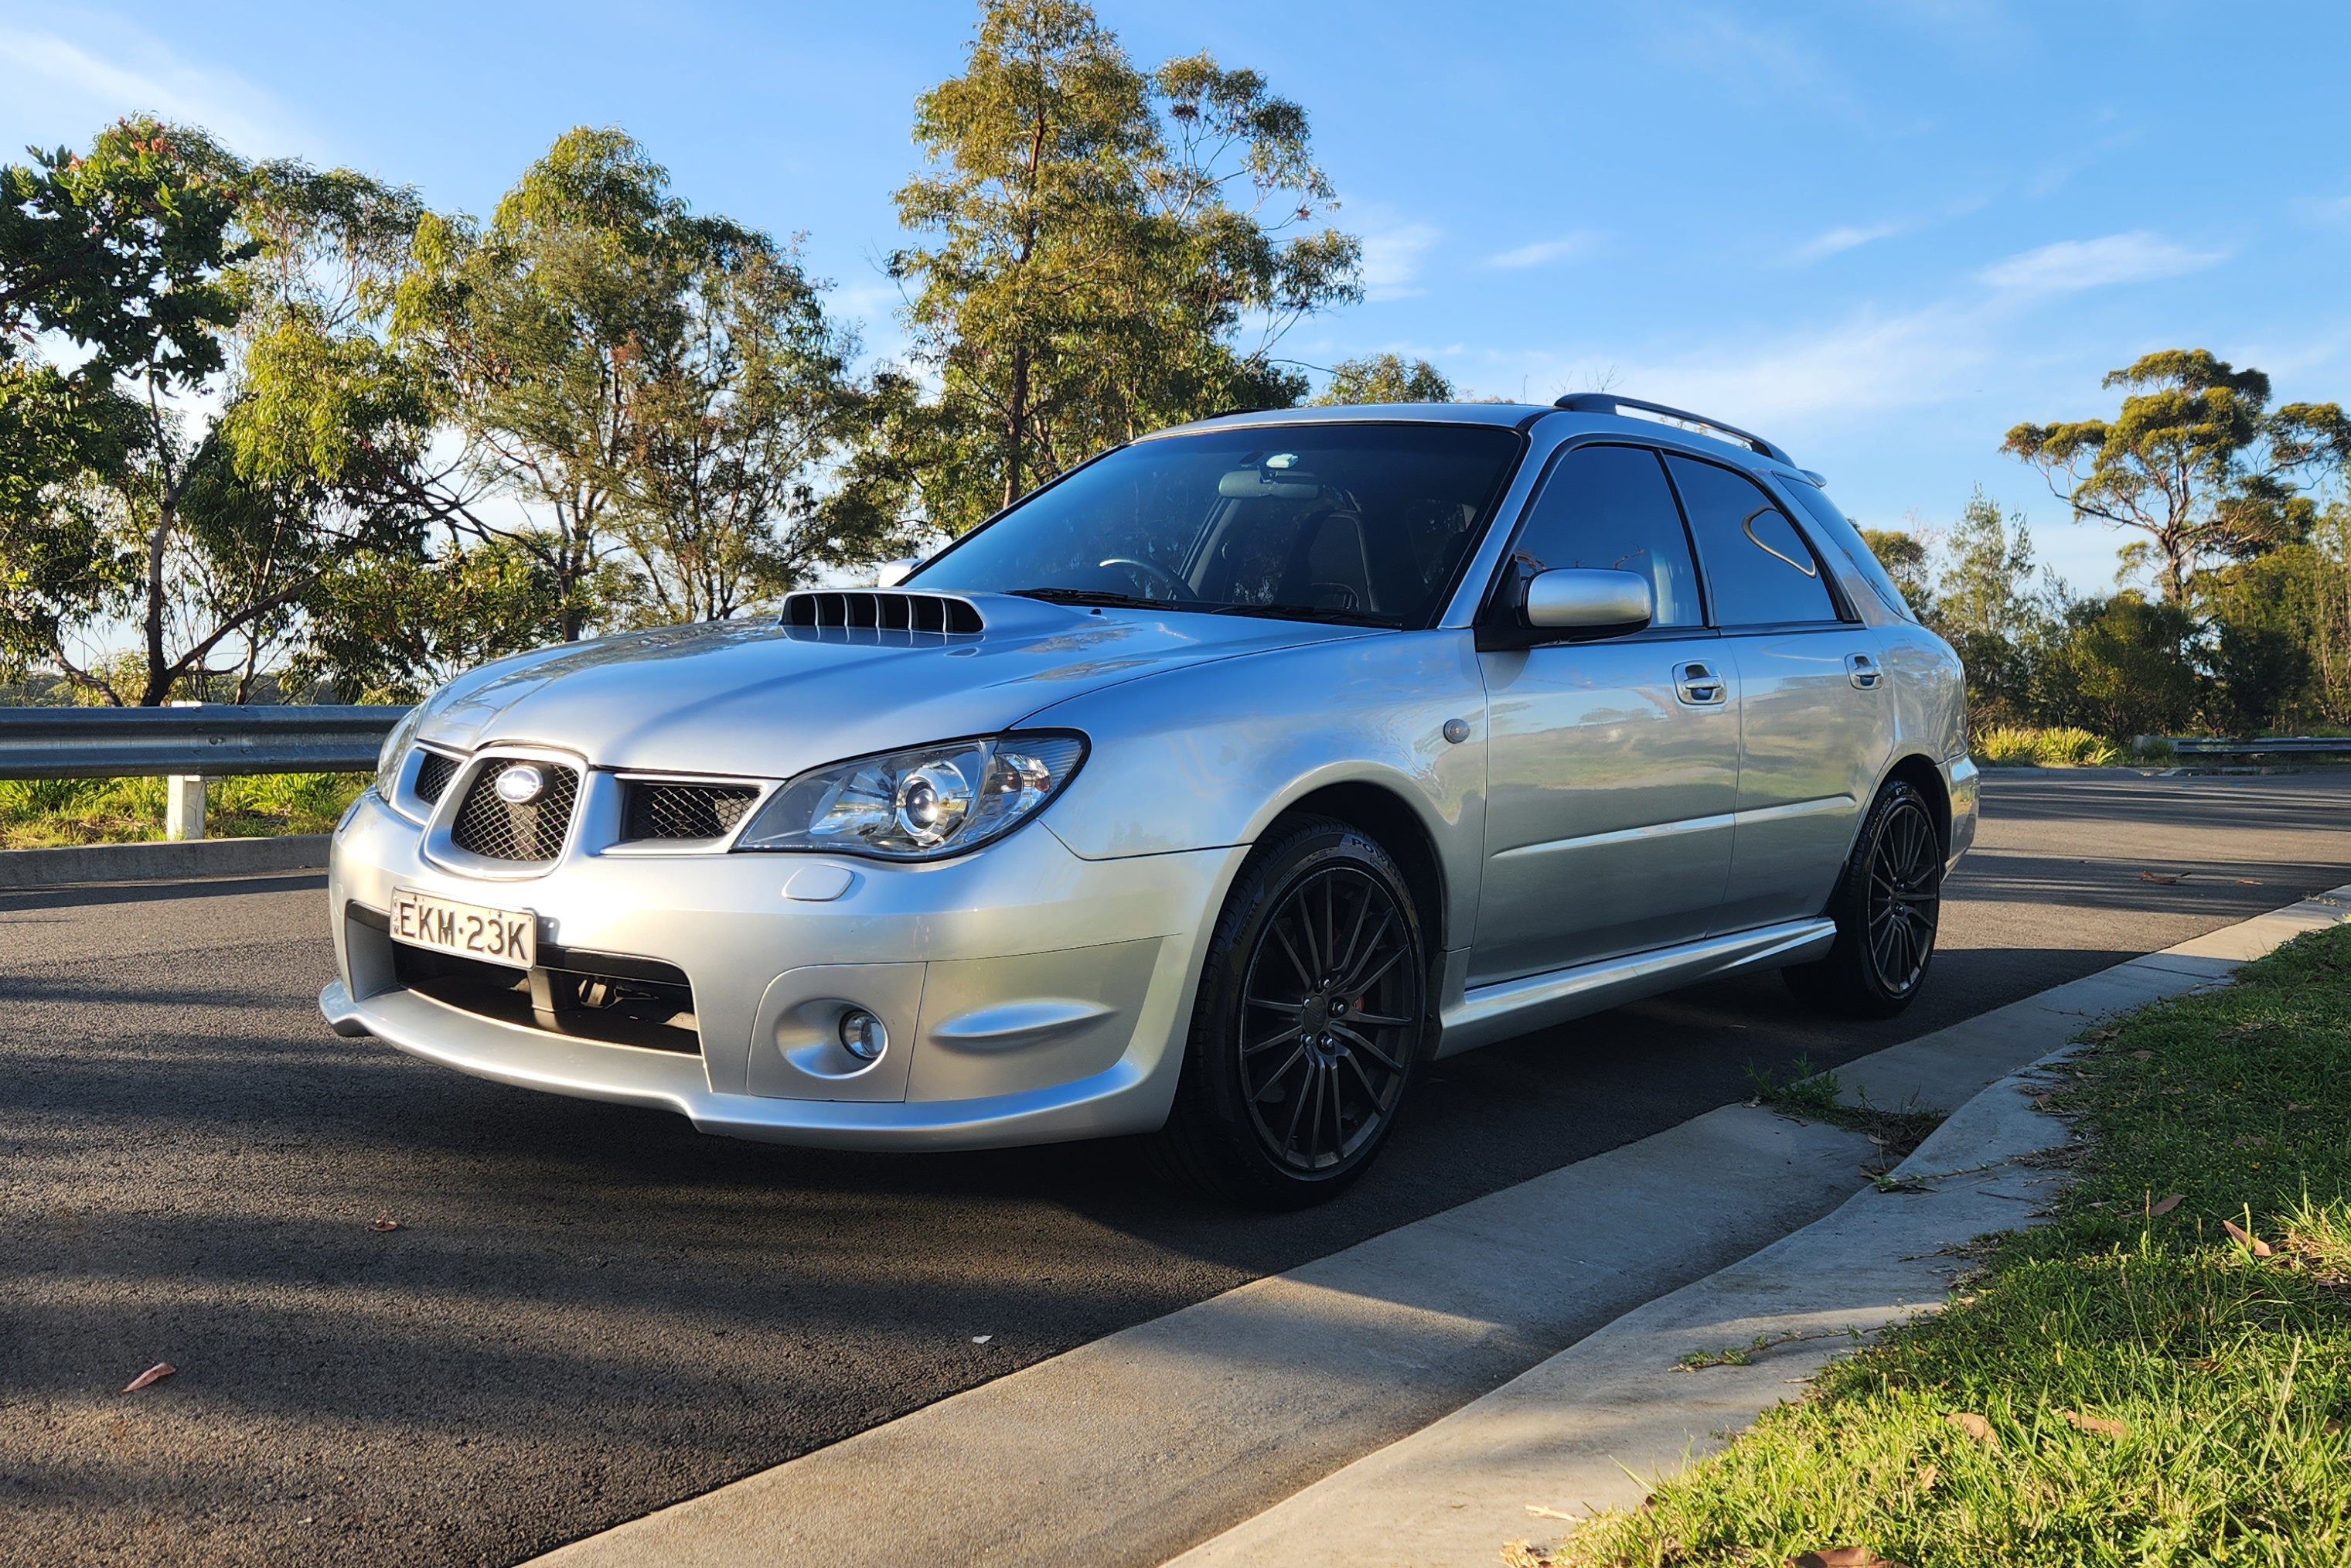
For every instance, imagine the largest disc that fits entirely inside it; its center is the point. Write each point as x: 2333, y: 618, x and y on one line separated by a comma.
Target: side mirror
x: 1593, y: 602
x: 891, y: 573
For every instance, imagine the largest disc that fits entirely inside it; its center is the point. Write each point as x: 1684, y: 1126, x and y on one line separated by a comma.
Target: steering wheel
x: 1177, y: 587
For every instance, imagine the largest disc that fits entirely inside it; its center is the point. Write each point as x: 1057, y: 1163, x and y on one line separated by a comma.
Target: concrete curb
x: 1194, y: 1427
x: 160, y: 862
x: 1596, y: 1426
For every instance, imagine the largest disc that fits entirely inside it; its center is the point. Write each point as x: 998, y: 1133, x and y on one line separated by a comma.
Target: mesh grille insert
x: 501, y: 830
x: 683, y: 811
x: 432, y: 776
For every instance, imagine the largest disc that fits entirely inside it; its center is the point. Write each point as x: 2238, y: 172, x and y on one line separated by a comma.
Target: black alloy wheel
x: 1311, y: 1019
x: 1887, y: 905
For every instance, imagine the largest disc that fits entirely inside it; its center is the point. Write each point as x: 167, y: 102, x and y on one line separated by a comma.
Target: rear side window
x: 1839, y: 527
x: 1609, y: 508
x: 1758, y: 567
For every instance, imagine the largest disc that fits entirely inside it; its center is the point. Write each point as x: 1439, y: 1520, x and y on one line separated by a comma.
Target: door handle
x: 1863, y: 671
x: 1697, y: 684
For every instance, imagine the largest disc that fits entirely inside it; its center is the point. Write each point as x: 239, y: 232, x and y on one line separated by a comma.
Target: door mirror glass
x: 1578, y: 599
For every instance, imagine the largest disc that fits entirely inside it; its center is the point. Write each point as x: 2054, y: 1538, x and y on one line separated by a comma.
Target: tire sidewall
x: 1897, y: 797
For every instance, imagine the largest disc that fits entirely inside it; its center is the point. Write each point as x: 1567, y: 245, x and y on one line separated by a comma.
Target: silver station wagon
x: 1209, y: 793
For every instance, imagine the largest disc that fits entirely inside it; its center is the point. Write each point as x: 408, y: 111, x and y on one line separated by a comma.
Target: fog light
x: 862, y: 1036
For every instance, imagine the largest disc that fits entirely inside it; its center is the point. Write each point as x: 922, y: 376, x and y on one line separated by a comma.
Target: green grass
x: 2151, y: 1390
x: 2059, y: 747
x: 43, y: 812
x: 1811, y: 1096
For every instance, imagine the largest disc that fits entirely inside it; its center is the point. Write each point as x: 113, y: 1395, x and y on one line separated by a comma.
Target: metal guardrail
x: 214, y: 740
x: 2275, y: 746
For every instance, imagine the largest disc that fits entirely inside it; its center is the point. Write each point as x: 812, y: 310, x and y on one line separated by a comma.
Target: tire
x: 1311, y: 1021
x: 1887, y: 901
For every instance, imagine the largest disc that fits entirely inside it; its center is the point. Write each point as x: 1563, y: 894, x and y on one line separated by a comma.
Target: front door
x: 1612, y: 766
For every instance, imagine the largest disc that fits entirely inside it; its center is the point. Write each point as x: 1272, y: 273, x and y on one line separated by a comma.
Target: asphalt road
x: 589, y: 1311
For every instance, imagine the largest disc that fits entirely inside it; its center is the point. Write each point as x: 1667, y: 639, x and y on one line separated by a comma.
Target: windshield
x: 1358, y: 523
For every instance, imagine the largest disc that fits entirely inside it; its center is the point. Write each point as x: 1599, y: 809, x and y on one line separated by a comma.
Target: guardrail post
x: 183, y: 800
x: 183, y: 806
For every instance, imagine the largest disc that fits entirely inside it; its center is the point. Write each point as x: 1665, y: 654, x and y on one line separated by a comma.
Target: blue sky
x: 1880, y: 234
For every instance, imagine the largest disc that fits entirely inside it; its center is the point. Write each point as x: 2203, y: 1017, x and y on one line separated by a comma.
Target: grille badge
x: 520, y: 784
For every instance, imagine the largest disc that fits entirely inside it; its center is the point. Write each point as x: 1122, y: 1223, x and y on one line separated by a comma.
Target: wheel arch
x: 1920, y: 772
x: 1388, y: 817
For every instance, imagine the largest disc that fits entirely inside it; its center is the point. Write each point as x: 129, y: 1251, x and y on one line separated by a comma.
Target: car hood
x: 770, y: 701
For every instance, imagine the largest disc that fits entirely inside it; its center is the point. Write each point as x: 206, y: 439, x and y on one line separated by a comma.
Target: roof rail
x: 1609, y: 402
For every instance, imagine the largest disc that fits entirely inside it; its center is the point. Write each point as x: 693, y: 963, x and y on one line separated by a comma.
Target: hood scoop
x: 883, y: 609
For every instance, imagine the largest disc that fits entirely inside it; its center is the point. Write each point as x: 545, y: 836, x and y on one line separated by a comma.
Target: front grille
x: 501, y: 830
x: 432, y: 776
x: 647, y: 1004
x: 683, y: 811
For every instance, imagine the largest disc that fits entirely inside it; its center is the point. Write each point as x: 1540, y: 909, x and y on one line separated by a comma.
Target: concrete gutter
x: 1133, y: 1449
x: 1597, y: 1425
x: 160, y: 862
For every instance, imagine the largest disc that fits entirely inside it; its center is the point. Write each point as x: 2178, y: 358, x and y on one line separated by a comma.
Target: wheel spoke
x: 1356, y: 986
x: 1293, y: 1008
x: 1312, y: 1079
x: 1305, y: 975
x: 1267, y: 1044
x: 1354, y: 937
x: 1365, y: 1079
x: 1367, y: 1048
x: 1273, y: 1079
x: 1378, y: 1021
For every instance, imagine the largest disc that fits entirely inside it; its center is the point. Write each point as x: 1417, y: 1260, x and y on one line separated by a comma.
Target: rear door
x: 1611, y: 764
x: 1816, y: 719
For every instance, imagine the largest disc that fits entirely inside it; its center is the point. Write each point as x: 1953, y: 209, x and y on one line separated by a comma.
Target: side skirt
x: 1484, y: 1014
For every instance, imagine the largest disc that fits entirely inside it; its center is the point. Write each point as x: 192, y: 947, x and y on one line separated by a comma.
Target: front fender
x: 1209, y: 755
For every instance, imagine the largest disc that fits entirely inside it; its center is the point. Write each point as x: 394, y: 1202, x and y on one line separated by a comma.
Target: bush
x: 2016, y: 746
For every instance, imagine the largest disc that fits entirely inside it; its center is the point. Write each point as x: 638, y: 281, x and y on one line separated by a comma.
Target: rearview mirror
x: 1576, y: 599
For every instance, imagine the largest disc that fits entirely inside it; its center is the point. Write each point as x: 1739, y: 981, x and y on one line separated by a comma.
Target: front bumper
x: 1030, y: 996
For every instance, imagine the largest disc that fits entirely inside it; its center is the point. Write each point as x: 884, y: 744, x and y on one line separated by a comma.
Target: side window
x: 1609, y: 508
x: 1759, y: 566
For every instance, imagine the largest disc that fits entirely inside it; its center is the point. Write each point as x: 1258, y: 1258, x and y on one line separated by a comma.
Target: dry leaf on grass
x: 1842, y: 1557
x: 2142, y: 1056
x: 2101, y: 1425
x: 2249, y: 1140
x: 1927, y: 1476
x: 2164, y: 1205
x: 1974, y: 1426
x: 387, y: 1223
x: 155, y: 1373
x: 2246, y: 1238
x: 2160, y: 878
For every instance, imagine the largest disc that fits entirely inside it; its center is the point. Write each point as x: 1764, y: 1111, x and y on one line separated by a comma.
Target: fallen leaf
x: 1539, y: 1511
x: 2165, y: 1206
x: 1927, y: 1477
x: 387, y: 1223
x: 2248, y: 1140
x: 981, y: 1338
x: 2243, y: 1238
x: 2142, y: 1056
x: 1842, y: 1557
x: 155, y: 1373
x: 2247, y: 881
x: 1875, y: 1139
x: 2040, y: 1100
x: 2097, y: 1035
x: 1974, y: 1426
x: 2101, y: 1425
x: 2158, y: 878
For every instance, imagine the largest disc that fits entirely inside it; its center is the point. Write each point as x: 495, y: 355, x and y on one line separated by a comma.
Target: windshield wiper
x: 1335, y: 617
x: 1102, y: 596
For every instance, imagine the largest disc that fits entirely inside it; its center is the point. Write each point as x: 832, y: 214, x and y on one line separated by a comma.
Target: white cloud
x: 1392, y: 260
x: 2077, y: 263
x: 1563, y: 248
x: 64, y: 89
x: 1838, y: 240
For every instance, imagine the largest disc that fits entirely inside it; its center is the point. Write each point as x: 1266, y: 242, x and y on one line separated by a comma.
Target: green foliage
x: 1099, y: 235
x: 2196, y: 460
x: 2059, y: 747
x: 2220, y: 1374
x: 37, y: 813
x: 2120, y: 667
x: 1386, y: 378
x: 1905, y: 558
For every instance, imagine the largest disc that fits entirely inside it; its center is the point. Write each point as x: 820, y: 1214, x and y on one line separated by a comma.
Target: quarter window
x: 1609, y: 508
x: 1758, y: 567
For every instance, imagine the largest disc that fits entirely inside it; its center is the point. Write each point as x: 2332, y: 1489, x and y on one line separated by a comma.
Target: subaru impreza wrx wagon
x: 1209, y: 792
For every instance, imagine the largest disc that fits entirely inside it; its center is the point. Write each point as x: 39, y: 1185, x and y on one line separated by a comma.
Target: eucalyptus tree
x: 2195, y: 460
x: 1387, y: 378
x: 651, y: 389
x: 1104, y: 250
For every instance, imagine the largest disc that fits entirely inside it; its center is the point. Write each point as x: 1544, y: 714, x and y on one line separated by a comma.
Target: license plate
x: 468, y: 930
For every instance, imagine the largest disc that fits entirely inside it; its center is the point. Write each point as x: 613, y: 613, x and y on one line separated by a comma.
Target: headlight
x: 395, y: 752
x: 931, y: 801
